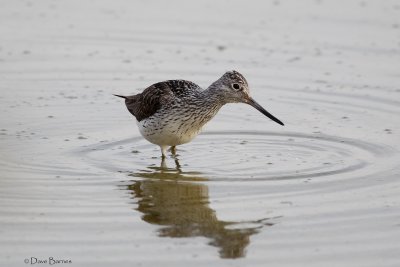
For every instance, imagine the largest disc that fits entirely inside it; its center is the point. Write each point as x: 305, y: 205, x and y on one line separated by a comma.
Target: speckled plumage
x: 172, y: 112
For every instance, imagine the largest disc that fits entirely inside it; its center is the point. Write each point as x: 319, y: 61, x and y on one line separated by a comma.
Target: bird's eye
x: 236, y: 86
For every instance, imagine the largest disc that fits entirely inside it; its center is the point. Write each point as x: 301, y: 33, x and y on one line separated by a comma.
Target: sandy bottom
x: 78, y: 183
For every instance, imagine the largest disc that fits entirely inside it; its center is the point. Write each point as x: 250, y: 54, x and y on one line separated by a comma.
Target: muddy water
x: 79, y: 184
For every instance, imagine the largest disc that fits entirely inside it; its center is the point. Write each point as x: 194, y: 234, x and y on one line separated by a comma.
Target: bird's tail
x: 121, y: 96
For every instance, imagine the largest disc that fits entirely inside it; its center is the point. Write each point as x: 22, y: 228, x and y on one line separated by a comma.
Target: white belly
x: 168, y: 132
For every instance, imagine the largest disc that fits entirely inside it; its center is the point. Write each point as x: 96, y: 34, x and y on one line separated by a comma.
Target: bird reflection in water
x: 177, y: 201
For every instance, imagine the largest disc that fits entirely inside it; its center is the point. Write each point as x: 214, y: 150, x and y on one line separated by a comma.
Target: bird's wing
x: 147, y: 103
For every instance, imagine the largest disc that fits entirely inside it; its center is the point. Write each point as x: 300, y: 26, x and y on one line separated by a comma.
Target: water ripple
x: 243, y: 155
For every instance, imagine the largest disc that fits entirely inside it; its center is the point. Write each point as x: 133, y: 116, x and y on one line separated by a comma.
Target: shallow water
x: 79, y: 183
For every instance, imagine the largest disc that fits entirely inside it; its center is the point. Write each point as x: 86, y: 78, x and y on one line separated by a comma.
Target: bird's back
x: 160, y: 94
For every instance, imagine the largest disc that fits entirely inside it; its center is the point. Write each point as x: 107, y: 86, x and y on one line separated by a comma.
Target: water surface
x: 79, y: 183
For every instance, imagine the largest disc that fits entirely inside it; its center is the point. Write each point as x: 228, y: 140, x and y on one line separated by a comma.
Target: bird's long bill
x: 257, y: 106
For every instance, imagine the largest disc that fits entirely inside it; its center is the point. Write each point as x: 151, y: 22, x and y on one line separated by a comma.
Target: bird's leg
x: 173, y: 150
x: 163, y: 151
x: 177, y: 165
x: 163, y: 165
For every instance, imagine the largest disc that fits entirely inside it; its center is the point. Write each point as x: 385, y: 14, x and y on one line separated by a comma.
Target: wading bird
x: 172, y: 113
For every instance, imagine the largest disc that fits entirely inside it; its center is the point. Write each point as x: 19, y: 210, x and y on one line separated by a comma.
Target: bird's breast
x: 174, y: 127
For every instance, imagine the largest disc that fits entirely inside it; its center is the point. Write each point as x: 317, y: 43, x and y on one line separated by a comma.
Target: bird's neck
x: 213, y: 95
x: 207, y: 103
x: 212, y: 98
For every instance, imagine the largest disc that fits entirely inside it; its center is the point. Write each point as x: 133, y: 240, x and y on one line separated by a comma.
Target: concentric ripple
x: 77, y: 184
x: 241, y: 155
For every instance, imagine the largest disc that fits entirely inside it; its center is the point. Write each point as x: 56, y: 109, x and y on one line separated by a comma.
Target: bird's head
x: 233, y: 88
